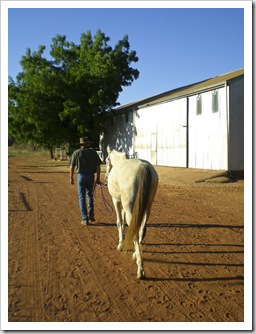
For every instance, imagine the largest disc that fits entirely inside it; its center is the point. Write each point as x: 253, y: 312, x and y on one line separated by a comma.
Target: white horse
x: 132, y: 183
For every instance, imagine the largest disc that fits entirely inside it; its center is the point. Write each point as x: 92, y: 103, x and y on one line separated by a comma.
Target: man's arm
x: 98, y: 173
x: 72, y: 174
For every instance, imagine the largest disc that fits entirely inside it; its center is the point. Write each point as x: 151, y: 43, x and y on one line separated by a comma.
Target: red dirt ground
x: 61, y: 271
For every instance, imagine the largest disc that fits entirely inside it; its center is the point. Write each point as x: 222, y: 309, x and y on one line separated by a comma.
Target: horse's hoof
x: 141, y: 276
x: 120, y: 247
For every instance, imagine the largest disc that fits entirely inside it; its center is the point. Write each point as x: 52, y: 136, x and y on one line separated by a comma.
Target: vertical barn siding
x: 208, y: 131
x: 146, y: 125
x: 161, y: 133
x: 172, y: 141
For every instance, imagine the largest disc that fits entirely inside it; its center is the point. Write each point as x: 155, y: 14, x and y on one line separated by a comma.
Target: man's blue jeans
x: 85, y: 183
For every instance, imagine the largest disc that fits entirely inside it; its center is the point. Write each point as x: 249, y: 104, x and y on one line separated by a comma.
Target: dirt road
x: 61, y: 271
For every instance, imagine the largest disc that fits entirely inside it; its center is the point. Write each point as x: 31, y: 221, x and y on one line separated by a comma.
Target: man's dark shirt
x: 85, y: 160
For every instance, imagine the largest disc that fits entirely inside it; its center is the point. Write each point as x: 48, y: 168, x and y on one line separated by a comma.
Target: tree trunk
x: 51, y: 152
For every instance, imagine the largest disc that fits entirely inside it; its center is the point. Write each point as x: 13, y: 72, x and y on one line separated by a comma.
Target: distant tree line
x: 71, y: 95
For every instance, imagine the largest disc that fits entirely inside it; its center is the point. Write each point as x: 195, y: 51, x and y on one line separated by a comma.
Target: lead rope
x: 107, y: 205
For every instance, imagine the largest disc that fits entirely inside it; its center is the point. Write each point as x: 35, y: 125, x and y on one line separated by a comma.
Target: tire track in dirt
x: 26, y: 255
x: 61, y: 263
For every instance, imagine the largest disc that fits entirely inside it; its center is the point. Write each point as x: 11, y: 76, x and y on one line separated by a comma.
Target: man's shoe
x: 84, y: 222
x: 92, y: 219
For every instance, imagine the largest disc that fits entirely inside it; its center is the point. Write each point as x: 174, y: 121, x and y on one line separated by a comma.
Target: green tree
x: 55, y: 101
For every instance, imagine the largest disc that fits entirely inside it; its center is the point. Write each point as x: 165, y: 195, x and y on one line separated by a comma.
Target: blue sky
x: 175, y: 46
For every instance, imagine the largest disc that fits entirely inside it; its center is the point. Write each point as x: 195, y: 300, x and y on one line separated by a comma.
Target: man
x: 87, y: 163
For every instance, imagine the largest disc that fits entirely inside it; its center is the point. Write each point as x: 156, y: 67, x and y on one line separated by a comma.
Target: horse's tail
x: 143, y: 182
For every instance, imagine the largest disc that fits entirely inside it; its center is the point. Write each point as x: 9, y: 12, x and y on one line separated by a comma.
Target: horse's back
x: 129, y: 168
x: 124, y: 174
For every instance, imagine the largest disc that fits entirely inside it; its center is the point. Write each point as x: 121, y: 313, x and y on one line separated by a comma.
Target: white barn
x: 196, y: 126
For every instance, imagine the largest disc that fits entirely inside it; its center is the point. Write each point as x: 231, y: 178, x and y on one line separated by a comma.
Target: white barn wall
x: 145, y: 123
x: 172, y: 134
x: 161, y: 133
x: 167, y: 130
x: 208, y: 132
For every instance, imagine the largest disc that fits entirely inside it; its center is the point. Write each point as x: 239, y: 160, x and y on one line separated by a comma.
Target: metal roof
x: 188, y: 90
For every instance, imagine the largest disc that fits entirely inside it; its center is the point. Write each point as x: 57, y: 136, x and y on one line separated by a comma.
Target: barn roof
x: 188, y: 90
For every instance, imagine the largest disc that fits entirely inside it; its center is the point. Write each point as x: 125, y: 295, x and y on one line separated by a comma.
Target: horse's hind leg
x: 143, y: 228
x: 139, y: 260
x: 119, y: 223
x: 137, y: 255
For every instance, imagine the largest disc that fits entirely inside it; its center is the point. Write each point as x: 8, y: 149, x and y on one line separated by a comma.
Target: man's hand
x: 98, y: 183
x: 71, y: 180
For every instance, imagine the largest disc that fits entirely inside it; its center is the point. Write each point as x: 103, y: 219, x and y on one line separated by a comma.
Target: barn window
x: 126, y: 118
x: 215, y: 101
x: 199, y: 105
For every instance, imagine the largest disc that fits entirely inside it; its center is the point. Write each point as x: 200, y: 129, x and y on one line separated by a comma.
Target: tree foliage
x: 55, y: 101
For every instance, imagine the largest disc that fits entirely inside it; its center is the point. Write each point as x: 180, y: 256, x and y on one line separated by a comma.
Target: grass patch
x: 23, y: 150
